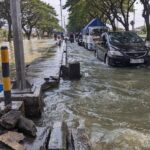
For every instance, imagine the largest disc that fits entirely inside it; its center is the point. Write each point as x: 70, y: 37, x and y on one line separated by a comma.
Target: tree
x: 5, y: 14
x: 37, y: 14
x: 48, y: 22
x: 106, y: 10
x: 116, y: 10
x: 146, y: 15
x: 31, y: 14
x: 121, y: 12
x: 80, y: 14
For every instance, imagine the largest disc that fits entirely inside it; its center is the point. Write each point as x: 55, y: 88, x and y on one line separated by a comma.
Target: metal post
x: 18, y: 43
x: 64, y: 24
x: 133, y: 27
x: 61, y: 14
x: 66, y: 54
x: 6, y: 75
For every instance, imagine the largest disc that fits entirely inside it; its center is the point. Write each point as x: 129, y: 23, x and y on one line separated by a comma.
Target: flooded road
x: 112, y: 103
x: 33, y: 49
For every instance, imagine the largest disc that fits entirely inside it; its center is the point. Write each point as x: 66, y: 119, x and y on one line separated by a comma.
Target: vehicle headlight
x: 114, y: 53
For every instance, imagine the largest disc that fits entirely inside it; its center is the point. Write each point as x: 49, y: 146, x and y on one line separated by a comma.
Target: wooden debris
x: 58, y: 138
x: 50, y: 82
x: 12, y: 140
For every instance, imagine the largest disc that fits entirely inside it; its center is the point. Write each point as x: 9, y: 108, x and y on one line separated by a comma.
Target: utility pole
x: 61, y: 13
x: 133, y: 19
x: 18, y: 43
x: 64, y: 23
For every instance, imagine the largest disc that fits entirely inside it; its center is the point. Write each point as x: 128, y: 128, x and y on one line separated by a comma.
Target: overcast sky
x: 139, y: 21
x: 56, y: 5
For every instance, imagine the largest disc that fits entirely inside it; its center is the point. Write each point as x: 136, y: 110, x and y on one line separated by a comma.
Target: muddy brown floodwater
x: 112, y: 103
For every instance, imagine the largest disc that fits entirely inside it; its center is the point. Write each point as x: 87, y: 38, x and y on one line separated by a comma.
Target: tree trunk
x: 114, y: 28
x: 113, y: 24
x: 37, y: 33
x: 126, y: 23
x: 147, y: 27
x: 28, y: 34
x: 126, y: 27
x: 9, y: 31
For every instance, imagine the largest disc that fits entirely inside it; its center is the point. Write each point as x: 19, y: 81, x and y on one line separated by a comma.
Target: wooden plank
x: 58, y: 138
x: 12, y: 140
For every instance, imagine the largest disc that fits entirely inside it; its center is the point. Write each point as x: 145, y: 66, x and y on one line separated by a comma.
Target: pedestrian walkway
x: 46, y: 66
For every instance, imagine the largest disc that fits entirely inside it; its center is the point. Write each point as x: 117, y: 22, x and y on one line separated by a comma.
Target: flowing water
x: 112, y: 103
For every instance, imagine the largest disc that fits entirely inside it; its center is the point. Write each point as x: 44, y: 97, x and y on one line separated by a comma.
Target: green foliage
x: 48, y: 21
x: 3, y: 33
x: 82, y: 11
x: 39, y: 15
x: 79, y: 15
x: 35, y: 15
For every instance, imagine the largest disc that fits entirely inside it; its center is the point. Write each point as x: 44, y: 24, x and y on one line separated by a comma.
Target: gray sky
x: 139, y: 21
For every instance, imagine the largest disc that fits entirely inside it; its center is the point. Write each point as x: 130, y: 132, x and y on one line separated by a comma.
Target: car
x: 122, y: 49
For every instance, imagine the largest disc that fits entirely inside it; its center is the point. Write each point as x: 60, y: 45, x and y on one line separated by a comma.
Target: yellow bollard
x: 6, y: 75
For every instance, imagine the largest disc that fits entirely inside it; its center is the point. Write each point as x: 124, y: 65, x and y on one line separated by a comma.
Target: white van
x: 92, y: 35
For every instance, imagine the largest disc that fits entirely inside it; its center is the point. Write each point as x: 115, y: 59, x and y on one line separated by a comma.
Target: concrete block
x: 10, y: 119
x: 58, y: 137
x: 74, y: 70
x: 33, y: 103
x: 80, y: 139
x: 26, y: 126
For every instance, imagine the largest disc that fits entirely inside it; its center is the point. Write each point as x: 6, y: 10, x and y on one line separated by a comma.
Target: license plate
x: 136, y: 61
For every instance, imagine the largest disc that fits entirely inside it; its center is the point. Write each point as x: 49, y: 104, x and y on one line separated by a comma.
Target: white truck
x: 91, y: 35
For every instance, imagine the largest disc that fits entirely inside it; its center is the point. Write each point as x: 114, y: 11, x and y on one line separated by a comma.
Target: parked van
x: 92, y: 32
x: 92, y: 36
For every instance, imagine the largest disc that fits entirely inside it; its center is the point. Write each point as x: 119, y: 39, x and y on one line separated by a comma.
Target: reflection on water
x: 33, y: 49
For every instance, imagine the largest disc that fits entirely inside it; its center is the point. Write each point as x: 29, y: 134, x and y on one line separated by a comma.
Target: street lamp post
x: 18, y: 43
x: 64, y: 22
